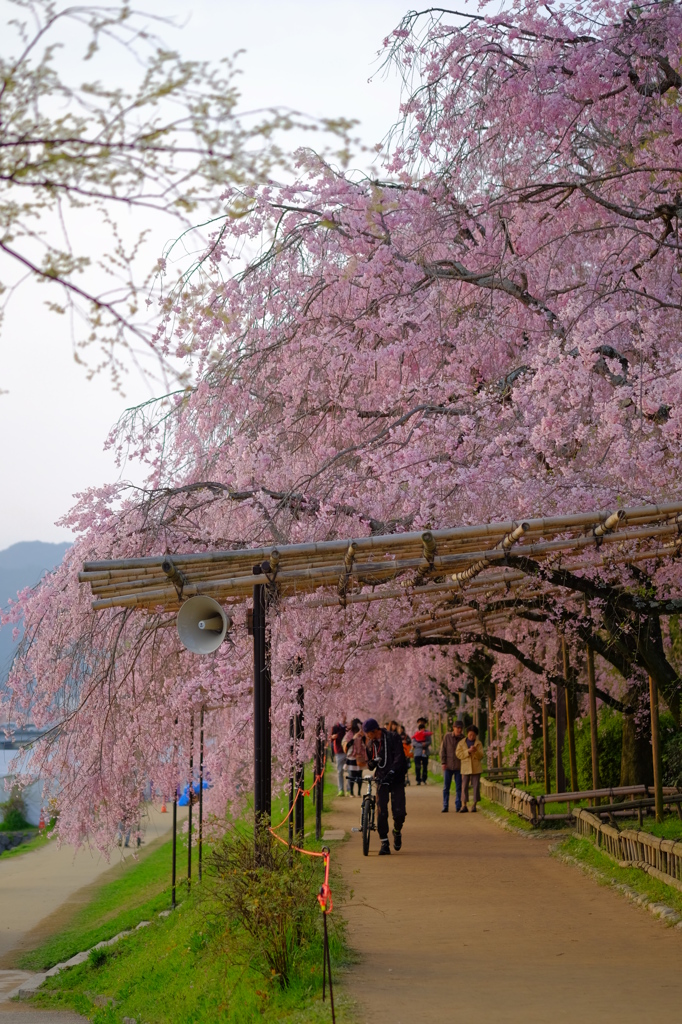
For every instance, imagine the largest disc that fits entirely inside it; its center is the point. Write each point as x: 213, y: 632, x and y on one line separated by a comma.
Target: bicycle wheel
x: 366, y: 824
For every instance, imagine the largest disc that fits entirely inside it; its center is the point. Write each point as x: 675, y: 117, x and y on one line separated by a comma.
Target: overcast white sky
x: 312, y: 55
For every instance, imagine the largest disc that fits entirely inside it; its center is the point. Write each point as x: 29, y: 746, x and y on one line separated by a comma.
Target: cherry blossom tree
x: 487, y: 329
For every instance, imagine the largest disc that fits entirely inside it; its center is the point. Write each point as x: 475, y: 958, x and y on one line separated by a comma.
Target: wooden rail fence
x: 661, y: 858
x: 533, y: 808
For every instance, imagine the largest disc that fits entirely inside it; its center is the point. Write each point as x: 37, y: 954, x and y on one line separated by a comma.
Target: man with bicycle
x: 386, y: 756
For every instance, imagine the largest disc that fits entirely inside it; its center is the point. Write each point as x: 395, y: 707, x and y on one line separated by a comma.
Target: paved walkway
x: 470, y: 923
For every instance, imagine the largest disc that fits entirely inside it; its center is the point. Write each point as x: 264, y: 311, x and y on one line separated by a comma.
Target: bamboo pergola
x: 433, y: 564
x: 463, y: 574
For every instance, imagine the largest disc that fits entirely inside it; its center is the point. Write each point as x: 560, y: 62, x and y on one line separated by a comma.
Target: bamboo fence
x: 661, y: 858
x: 465, y: 559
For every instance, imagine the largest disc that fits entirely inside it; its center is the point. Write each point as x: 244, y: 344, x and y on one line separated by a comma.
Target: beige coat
x: 471, y: 759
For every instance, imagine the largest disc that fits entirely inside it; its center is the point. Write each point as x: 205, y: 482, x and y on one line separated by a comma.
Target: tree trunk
x: 570, y: 719
x: 636, y: 767
x: 656, y: 750
x: 545, y: 746
x: 594, y: 734
x: 560, y: 734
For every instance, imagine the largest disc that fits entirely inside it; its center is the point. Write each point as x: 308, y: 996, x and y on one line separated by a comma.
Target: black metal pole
x: 191, y: 793
x: 262, y: 741
x: 299, y: 809
x: 175, y: 840
x: 175, y: 828
x: 201, y: 787
x: 319, y: 788
x: 292, y: 777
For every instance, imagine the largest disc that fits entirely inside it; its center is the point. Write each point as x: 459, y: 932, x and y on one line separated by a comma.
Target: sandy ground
x: 472, y: 923
x: 39, y: 890
x: 39, y: 893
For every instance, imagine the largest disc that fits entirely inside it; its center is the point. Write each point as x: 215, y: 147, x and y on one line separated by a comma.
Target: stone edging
x: 29, y: 987
x: 667, y: 914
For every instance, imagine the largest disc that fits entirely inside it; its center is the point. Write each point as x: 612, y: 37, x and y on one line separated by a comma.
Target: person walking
x: 337, y: 736
x: 422, y: 745
x: 353, y: 746
x: 452, y: 766
x: 385, y: 755
x: 407, y: 751
x: 470, y: 753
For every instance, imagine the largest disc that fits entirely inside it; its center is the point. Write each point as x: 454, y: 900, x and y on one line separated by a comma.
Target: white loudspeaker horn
x: 202, y: 625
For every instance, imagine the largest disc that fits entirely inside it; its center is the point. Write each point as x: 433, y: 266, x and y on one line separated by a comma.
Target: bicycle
x: 367, y: 814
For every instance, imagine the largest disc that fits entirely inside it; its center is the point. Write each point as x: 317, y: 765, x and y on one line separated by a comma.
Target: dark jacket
x: 448, y: 751
x: 387, y: 756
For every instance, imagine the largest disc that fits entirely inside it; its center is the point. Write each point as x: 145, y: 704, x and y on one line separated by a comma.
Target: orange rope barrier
x: 324, y: 896
x: 299, y: 792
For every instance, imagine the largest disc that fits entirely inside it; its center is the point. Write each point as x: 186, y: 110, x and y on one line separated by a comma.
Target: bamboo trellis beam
x: 350, y: 565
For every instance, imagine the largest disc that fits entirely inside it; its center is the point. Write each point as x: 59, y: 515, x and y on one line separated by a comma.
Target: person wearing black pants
x: 386, y: 756
x: 422, y: 745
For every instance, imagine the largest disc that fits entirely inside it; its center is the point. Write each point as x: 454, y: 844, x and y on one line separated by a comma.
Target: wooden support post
x: 497, y: 731
x: 477, y: 712
x: 545, y: 745
x: 299, y: 809
x: 262, y: 739
x: 656, y: 749
x: 560, y: 721
x: 490, y: 732
x: 592, y: 690
x: 570, y: 718
x: 201, y: 789
x: 190, y: 795
x: 524, y: 734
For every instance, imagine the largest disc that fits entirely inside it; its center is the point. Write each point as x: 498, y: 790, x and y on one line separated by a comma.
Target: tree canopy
x: 489, y: 330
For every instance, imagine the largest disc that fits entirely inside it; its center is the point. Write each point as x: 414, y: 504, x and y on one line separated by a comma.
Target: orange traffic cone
x: 41, y: 823
x: 163, y: 806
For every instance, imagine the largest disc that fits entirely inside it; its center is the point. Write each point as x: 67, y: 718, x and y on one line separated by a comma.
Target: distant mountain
x: 22, y: 565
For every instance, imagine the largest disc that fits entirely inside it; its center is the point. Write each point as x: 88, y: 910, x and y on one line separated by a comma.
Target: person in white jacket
x: 470, y: 753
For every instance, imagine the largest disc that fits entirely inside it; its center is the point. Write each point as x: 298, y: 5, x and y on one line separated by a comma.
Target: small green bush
x: 610, y: 740
x: 610, y: 732
x: 98, y: 957
x: 672, y: 759
x: 270, y: 893
x: 13, y: 813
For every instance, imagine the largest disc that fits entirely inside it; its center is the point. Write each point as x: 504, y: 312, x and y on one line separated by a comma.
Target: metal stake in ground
x: 201, y: 787
x: 299, y: 822
x: 262, y: 741
x: 320, y: 744
x: 191, y: 793
x: 175, y: 841
x: 175, y: 831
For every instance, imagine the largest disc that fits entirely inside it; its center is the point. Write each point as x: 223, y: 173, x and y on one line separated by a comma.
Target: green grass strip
x: 187, y: 968
x: 587, y: 853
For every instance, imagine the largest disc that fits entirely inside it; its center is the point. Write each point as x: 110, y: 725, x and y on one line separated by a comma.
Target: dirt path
x: 472, y: 923
x: 40, y: 890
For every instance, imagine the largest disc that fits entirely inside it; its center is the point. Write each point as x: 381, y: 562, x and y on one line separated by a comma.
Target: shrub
x: 610, y: 741
x: 672, y: 759
x: 610, y: 732
x: 98, y: 957
x: 13, y: 813
x: 268, y: 892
